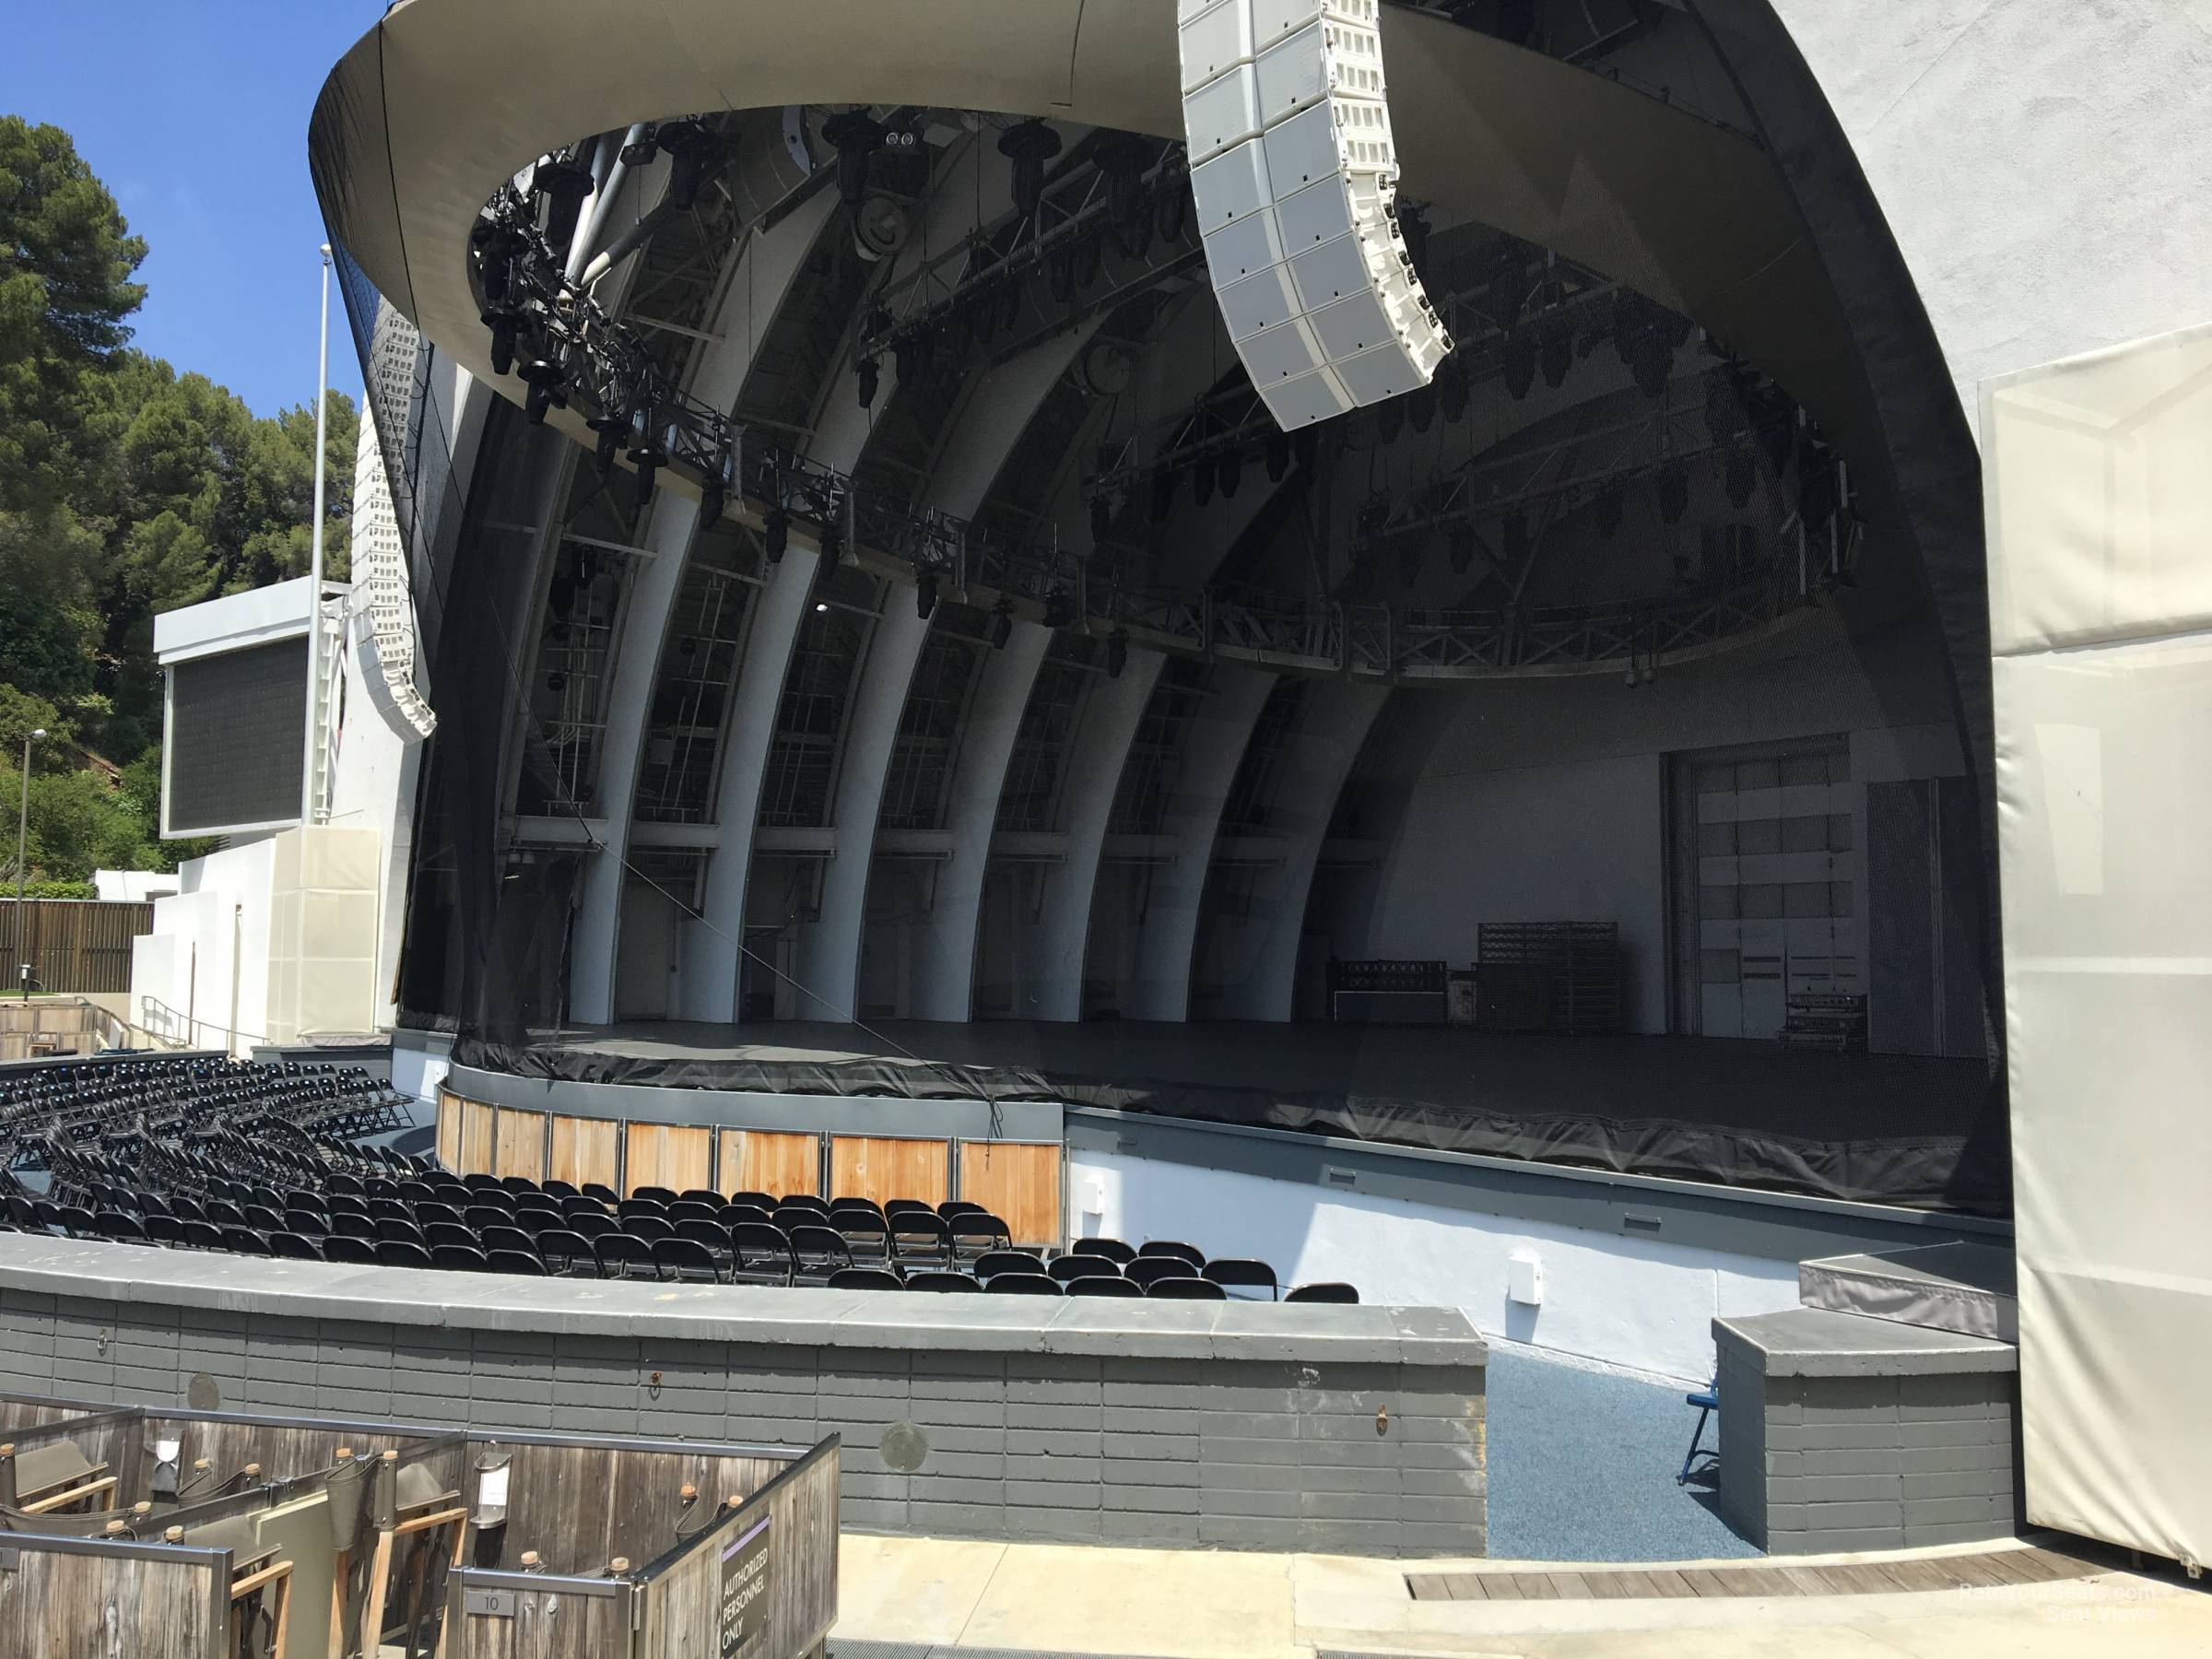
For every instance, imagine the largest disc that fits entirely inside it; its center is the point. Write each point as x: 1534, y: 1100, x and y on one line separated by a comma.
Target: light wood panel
x: 1017, y: 1182
x: 761, y: 1160
x: 476, y: 1148
x: 584, y: 1149
x: 449, y: 1130
x: 521, y: 1144
x: 675, y: 1156
x: 878, y: 1167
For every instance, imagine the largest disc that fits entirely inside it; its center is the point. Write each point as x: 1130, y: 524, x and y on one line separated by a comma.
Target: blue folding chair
x: 1707, y: 1401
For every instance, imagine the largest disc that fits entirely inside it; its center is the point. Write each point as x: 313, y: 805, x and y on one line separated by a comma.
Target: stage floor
x: 1881, y: 1128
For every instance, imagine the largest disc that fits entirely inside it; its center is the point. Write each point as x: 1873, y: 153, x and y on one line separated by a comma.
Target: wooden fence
x: 71, y: 943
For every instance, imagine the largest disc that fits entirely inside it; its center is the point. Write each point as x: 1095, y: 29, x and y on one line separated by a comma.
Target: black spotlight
x: 1202, y: 484
x: 1060, y: 273
x: 1513, y: 538
x: 871, y: 378
x: 1674, y: 493
x: 640, y: 151
x: 1173, y: 210
x: 856, y: 135
x: 1555, y: 349
x: 1002, y: 623
x: 1743, y: 477
x: 1029, y: 145
x: 1122, y: 158
x: 1420, y: 406
x: 505, y: 325
x: 1410, y: 565
x: 1816, y: 495
x: 1459, y: 547
x: 1507, y: 287
x: 1652, y: 359
x: 1164, y: 485
x: 1059, y: 609
x: 775, y: 533
x: 1278, y: 455
x: 1681, y: 561
x: 1117, y: 653
x: 1101, y: 516
x: 693, y: 149
x: 925, y: 593
x: 1389, y: 419
x: 1517, y: 360
x: 1612, y: 505
x: 564, y: 184
x: 611, y: 428
x: 1305, y: 443
x: 1452, y: 388
x: 1088, y: 252
x: 544, y: 376
x: 1229, y: 472
x: 648, y: 451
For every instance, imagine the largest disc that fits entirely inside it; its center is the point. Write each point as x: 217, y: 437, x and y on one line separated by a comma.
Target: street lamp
x: 22, y: 841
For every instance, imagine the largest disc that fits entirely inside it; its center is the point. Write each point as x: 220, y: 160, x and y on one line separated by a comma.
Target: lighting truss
x: 577, y: 356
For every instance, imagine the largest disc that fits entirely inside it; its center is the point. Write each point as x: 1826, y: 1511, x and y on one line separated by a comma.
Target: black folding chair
x: 446, y: 1235
x: 1116, y: 1286
x: 636, y: 1205
x: 478, y: 1217
x: 866, y: 1278
x: 959, y: 1206
x: 515, y: 1262
x: 293, y: 1247
x: 1328, y: 1290
x: 1069, y: 1268
x: 763, y: 1202
x: 660, y: 1195
x: 993, y: 1263
x: 594, y: 1224
x: 1148, y: 1271
x: 651, y: 1229
x: 1021, y: 1284
x: 1175, y: 1249
x: 977, y: 1233
x: 760, y: 1254
x: 115, y: 1224
x: 398, y: 1252
x: 567, y: 1252
x: 807, y: 1201
x: 357, y: 1253
x: 1243, y: 1273
x: 687, y: 1259
x: 624, y: 1256
x: 711, y: 1235
x: 920, y: 1238
x: 507, y: 1238
x: 866, y: 1235
x: 1113, y: 1250
x: 819, y: 1252
x: 939, y: 1281
x: 459, y: 1258
x: 1186, y: 1290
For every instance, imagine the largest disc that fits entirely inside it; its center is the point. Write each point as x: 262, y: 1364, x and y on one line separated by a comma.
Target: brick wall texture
x: 1255, y: 1454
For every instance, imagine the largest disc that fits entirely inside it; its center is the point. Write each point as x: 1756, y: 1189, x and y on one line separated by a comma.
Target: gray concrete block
x: 1839, y: 1514
x: 1055, y: 1494
x: 1349, y: 1506
x: 1252, y: 1532
x: 1055, y: 1442
x: 1125, y: 1526
x: 1921, y: 1485
x: 1171, y: 1447
x: 1137, y: 1471
x: 1350, y: 1479
x: 1079, y: 1418
x: 1853, y: 1489
x: 930, y: 1487
x: 1283, y: 1505
x: 958, y: 1519
x: 1838, y: 1540
x: 1051, y: 1468
x: 1157, y: 1500
x: 1855, y: 1460
x: 1954, y: 1511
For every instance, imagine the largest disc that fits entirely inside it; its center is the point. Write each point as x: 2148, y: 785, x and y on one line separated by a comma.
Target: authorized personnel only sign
x: 744, y: 1588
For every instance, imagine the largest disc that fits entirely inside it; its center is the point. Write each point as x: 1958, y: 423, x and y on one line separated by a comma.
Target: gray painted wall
x: 1264, y: 1427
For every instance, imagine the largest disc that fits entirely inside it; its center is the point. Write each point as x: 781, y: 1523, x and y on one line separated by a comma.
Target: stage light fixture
x: 1452, y: 388
x: 925, y: 593
x: 1506, y: 286
x: 1681, y: 563
x: 640, y: 151
x: 1653, y: 363
x: 1122, y: 158
x: 870, y: 377
x: 1389, y: 419
x: 1420, y: 406
x: 1459, y: 547
x: 505, y: 325
x: 1029, y: 145
x: 693, y: 148
x: 1554, y: 348
x: 1743, y: 477
x: 611, y: 428
x: 1002, y: 623
x: 1059, y: 609
x: 1088, y: 252
x: 714, y: 493
x: 856, y: 137
x: 1294, y: 174
x: 1229, y: 472
x: 1278, y: 455
x: 1674, y: 493
x: 1117, y: 653
x: 1517, y: 363
x: 1410, y: 565
x: 775, y: 534
x: 563, y: 184
x: 1513, y: 537
x: 1102, y: 517
x: 1164, y: 484
x: 1202, y: 484
x: 1060, y: 275
x: 1612, y: 506
x: 1172, y: 211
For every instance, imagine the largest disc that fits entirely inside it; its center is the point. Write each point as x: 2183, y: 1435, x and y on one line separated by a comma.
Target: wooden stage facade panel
x: 1018, y: 1181
x: 521, y: 1141
x: 884, y: 1167
x: 762, y: 1160
x: 675, y: 1156
x: 584, y: 1149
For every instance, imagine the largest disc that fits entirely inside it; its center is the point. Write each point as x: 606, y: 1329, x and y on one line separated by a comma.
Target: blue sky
x: 194, y: 113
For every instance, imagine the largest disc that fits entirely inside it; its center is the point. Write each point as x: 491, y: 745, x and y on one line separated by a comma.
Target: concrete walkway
x: 901, y: 1597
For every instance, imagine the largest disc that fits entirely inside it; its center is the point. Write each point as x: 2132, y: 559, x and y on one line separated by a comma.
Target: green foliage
x: 125, y: 490
x: 58, y: 890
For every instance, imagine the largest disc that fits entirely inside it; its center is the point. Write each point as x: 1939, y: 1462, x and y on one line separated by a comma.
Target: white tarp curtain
x: 2099, y: 489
